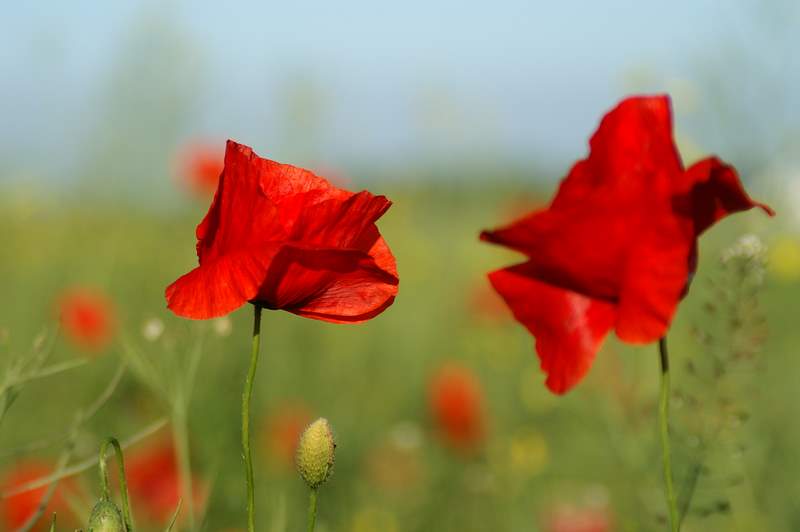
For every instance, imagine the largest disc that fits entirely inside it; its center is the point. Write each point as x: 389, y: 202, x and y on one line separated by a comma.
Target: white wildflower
x: 152, y: 329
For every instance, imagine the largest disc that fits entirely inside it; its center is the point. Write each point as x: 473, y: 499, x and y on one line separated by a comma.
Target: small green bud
x: 315, y: 453
x: 106, y: 517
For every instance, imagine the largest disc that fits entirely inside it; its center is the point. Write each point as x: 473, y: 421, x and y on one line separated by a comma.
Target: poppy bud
x: 106, y: 517
x: 315, y: 453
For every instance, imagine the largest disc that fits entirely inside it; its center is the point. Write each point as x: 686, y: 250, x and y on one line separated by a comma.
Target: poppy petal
x: 382, y: 255
x: 569, y: 328
x: 281, y: 237
x: 221, y: 286
x: 278, y: 181
x: 208, y: 225
x: 715, y: 191
x: 655, y: 279
x: 581, y: 242
x: 328, y: 284
x: 240, y: 217
x: 335, y: 223
x: 632, y: 143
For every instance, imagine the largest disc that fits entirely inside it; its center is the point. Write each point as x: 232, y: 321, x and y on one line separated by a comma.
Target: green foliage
x: 596, y: 448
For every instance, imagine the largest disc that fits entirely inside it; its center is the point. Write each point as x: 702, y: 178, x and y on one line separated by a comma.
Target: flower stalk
x: 180, y: 435
x: 246, y: 399
x: 312, y: 509
x: 663, y: 419
x: 123, y: 483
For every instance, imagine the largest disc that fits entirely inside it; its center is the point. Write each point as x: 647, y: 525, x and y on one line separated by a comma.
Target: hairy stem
x: 246, y: 397
x: 123, y: 483
x: 312, y: 509
x: 663, y: 421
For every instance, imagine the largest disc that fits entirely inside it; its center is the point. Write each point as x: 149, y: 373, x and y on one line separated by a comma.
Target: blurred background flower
x: 199, y: 165
x: 282, y: 429
x: 154, y: 483
x: 568, y: 518
x: 457, y: 407
x: 88, y: 318
x: 17, y: 509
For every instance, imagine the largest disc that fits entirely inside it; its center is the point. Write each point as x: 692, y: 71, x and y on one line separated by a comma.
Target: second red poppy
x: 618, y: 244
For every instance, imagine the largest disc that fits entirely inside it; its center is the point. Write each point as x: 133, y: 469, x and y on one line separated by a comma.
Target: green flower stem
x: 123, y: 483
x: 246, y: 397
x: 180, y: 436
x: 663, y: 418
x: 312, y: 509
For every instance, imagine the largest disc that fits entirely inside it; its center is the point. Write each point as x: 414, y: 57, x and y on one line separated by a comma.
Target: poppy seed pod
x: 106, y: 517
x: 315, y: 453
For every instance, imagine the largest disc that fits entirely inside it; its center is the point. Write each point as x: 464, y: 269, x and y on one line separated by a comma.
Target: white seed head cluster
x: 750, y: 255
x: 315, y: 453
x: 748, y: 247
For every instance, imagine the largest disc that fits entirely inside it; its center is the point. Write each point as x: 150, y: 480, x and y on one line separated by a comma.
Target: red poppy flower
x: 154, y: 482
x: 88, y: 318
x: 284, y: 238
x: 572, y: 519
x: 199, y: 167
x: 456, y: 403
x: 282, y: 432
x: 17, y: 509
x: 618, y: 244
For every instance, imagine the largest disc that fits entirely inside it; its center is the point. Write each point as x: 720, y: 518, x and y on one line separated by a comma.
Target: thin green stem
x: 123, y: 483
x: 663, y: 418
x: 180, y: 435
x: 246, y: 397
x: 312, y: 509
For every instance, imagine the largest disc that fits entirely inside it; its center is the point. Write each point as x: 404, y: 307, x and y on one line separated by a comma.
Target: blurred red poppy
x: 154, y: 482
x: 617, y: 246
x: 199, y: 167
x: 571, y: 519
x: 456, y: 404
x: 282, y: 432
x: 17, y: 509
x: 486, y: 306
x: 88, y: 318
x: 283, y: 238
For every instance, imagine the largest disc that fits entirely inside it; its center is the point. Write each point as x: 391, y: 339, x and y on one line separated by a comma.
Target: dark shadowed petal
x: 218, y: 287
x: 207, y: 227
x: 583, y: 251
x: 711, y: 190
x: 329, y: 308
x: 382, y: 255
x: 340, y: 224
x: 329, y: 284
x: 568, y: 327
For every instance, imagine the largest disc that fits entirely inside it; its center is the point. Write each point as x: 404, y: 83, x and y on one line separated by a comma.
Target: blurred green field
x: 593, y: 450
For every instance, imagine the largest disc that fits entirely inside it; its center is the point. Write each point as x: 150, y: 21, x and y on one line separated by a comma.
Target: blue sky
x: 413, y: 79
